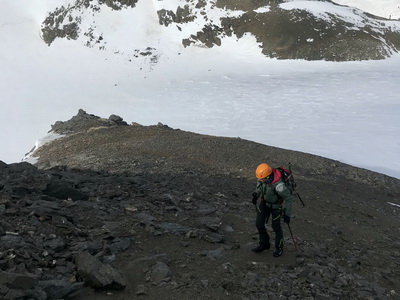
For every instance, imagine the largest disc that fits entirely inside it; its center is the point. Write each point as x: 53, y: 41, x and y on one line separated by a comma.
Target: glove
x: 286, y: 219
x: 255, y: 197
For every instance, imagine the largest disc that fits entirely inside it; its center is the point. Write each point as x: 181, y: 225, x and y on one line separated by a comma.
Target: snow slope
x: 389, y: 9
x: 345, y: 111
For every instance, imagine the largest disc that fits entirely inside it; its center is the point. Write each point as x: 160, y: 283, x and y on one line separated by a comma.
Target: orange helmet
x: 263, y: 171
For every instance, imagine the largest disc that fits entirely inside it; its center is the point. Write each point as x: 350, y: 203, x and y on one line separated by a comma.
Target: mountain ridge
x: 322, y: 30
x: 168, y: 214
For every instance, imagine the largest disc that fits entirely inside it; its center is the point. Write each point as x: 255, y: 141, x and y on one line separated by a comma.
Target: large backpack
x: 288, y: 179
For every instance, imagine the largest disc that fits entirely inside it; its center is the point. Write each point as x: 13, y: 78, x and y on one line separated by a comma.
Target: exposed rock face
x: 167, y: 214
x: 245, y: 5
x: 282, y: 32
x: 300, y: 35
x: 84, y: 121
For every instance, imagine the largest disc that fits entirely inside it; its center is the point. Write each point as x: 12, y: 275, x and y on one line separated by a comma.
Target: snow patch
x: 262, y: 10
x: 30, y: 157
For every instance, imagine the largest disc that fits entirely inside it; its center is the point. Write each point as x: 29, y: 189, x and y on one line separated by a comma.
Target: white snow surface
x: 345, y: 111
x: 389, y: 9
x: 51, y: 136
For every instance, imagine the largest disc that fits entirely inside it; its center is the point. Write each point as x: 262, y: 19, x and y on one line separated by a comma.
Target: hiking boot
x: 278, y: 252
x: 261, y: 248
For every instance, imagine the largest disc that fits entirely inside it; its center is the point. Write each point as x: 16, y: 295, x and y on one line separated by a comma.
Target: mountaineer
x: 271, y: 198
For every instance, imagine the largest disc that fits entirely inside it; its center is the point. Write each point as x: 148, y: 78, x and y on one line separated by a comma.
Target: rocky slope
x: 129, y: 211
x: 283, y: 30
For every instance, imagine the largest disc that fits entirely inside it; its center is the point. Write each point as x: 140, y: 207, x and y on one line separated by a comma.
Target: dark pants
x: 261, y: 220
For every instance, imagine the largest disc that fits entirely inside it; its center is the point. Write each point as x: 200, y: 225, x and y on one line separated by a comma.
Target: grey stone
x: 120, y: 245
x: 160, y: 272
x: 211, y: 236
x: 141, y: 289
x: 213, y: 254
x: 212, y: 223
x: 173, y: 228
x: 18, y: 281
x: 11, y: 241
x: 56, y: 244
x: 96, y: 274
x: 117, y: 120
x: 63, y: 191
x: 145, y: 217
x: 60, y: 289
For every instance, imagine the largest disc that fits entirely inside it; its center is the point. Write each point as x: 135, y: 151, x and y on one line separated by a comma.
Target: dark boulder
x: 60, y: 289
x: 62, y: 190
x: 18, y: 281
x: 117, y: 120
x: 97, y: 274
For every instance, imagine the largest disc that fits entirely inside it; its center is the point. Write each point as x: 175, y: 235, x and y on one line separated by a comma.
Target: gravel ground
x: 184, y: 201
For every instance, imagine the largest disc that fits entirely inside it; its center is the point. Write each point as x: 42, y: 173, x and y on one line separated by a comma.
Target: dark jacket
x: 275, y: 193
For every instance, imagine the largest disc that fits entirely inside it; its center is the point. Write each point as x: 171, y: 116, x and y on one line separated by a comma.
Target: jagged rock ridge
x: 166, y: 214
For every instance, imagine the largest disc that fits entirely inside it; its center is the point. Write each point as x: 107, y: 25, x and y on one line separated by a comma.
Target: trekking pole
x: 293, y: 192
x: 294, y: 241
x: 301, y: 200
